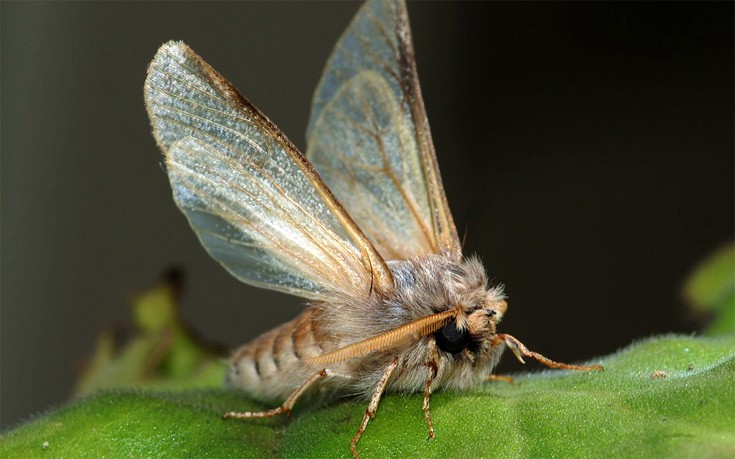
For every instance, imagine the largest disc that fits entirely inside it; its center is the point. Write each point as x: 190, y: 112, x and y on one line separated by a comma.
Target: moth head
x: 471, y: 330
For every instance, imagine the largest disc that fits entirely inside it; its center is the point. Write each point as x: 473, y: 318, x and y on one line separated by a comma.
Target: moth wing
x: 253, y: 200
x: 369, y: 137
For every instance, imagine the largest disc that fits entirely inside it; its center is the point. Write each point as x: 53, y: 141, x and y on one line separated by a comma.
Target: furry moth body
x: 359, y: 226
x: 275, y: 364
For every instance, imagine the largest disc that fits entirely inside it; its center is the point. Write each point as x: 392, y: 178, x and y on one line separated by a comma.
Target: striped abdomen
x: 274, y: 364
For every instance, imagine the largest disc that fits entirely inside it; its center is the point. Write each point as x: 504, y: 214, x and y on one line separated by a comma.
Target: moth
x: 359, y: 226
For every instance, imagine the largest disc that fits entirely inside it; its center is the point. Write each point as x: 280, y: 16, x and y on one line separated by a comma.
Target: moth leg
x: 372, y: 406
x: 431, y: 371
x: 493, y: 377
x: 520, y: 350
x: 503, y: 378
x: 287, y: 405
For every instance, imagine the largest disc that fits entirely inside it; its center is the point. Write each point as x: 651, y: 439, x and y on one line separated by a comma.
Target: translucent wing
x: 369, y: 137
x: 257, y: 205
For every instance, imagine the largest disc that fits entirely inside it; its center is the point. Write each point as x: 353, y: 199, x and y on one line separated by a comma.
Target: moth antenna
x: 464, y: 237
x: 399, y: 336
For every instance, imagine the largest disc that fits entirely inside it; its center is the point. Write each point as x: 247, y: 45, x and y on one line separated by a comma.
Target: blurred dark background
x: 586, y: 149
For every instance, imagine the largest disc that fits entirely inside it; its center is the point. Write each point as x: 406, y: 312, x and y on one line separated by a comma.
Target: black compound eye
x: 452, y: 340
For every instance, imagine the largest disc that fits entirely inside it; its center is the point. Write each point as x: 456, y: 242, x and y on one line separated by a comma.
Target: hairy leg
x: 431, y: 371
x: 373, y: 405
x: 520, y: 351
x: 287, y: 405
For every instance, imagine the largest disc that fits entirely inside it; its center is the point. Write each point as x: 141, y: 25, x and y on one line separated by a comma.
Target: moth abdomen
x: 274, y: 363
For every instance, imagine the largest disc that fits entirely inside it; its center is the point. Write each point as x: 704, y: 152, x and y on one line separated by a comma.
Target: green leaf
x: 160, y: 352
x: 130, y: 423
x: 710, y: 290
x: 670, y: 396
